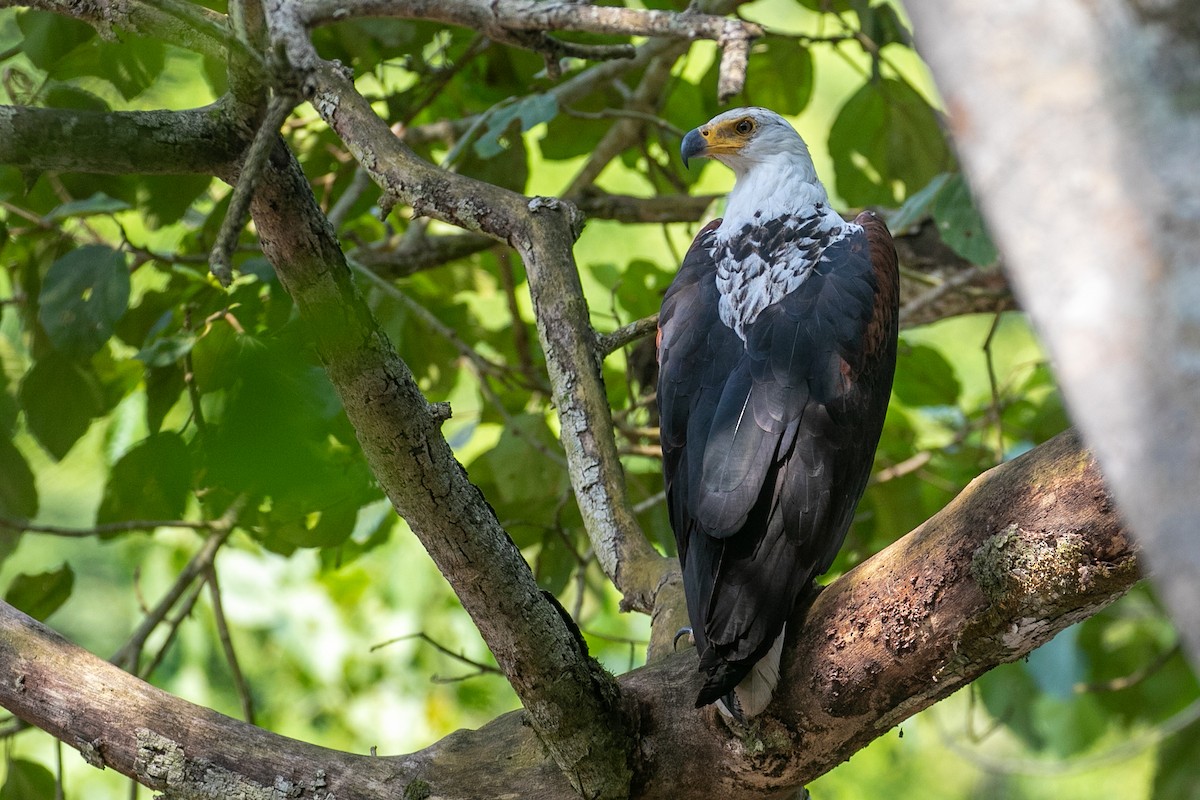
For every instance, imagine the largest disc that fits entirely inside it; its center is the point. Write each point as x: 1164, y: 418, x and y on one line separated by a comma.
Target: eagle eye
x: 744, y: 126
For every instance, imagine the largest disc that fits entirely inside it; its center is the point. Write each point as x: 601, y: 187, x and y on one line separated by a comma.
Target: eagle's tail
x: 741, y: 692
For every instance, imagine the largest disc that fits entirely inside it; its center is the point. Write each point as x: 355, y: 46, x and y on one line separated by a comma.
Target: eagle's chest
x: 761, y: 263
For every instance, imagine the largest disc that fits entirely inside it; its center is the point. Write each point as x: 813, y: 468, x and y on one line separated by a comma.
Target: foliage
x: 136, y: 390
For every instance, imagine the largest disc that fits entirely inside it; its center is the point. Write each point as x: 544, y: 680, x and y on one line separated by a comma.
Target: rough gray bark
x: 571, y: 702
x: 1027, y: 549
x: 543, y: 232
x: 1083, y: 152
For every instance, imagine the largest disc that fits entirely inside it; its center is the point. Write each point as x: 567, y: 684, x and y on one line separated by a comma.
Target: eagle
x: 776, y: 349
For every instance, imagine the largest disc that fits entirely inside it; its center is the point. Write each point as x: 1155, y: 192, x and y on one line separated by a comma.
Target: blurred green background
x: 133, y: 388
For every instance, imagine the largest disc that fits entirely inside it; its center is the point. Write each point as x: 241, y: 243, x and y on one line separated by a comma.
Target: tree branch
x: 1029, y: 548
x: 570, y: 701
x: 198, y: 140
x: 543, y: 233
x: 523, y: 23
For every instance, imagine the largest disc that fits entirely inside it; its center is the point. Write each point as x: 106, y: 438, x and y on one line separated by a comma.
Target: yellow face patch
x: 727, y: 136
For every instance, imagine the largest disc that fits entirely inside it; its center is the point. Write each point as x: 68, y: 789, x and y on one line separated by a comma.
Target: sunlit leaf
x: 99, y: 203
x: 40, y: 595
x: 83, y: 295
x: 780, y: 75
x: 49, y: 37
x: 886, y: 143
x: 529, y: 111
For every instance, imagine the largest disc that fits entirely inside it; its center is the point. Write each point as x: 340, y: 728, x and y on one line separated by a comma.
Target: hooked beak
x: 693, y: 145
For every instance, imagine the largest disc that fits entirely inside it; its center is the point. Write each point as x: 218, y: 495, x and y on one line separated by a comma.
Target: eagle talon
x: 731, y: 708
x: 679, y: 634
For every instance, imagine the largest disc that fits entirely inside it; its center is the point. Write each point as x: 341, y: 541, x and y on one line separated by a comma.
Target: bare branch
x: 130, y: 652
x: 611, y: 342
x: 101, y: 530
x: 235, y: 669
x: 278, y: 109
x: 511, y: 21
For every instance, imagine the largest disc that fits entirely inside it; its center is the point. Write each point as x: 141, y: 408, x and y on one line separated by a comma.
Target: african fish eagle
x: 777, y: 346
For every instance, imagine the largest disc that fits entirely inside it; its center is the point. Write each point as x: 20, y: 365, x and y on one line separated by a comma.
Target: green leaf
x: 1177, y: 774
x: 925, y: 378
x: 555, y: 563
x: 18, y: 491
x: 508, y: 168
x: 49, y: 37
x: 8, y: 406
x: 781, y: 74
x: 27, y: 781
x: 917, y: 206
x: 166, y: 198
x: 960, y: 223
x: 60, y: 398
x: 640, y: 287
x: 99, y: 203
x: 1008, y: 694
x: 64, y: 95
x: 149, y: 482
x: 83, y: 295
x: 216, y: 354
x: 886, y: 143
x: 166, y: 350
x: 42, y: 594
x: 327, y: 528
x: 835, y: 6
x: 131, y: 65
x: 164, y: 385
x: 530, y: 111
x: 881, y: 24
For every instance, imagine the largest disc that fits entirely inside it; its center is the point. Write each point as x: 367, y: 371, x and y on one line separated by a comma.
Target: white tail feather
x: 756, y: 689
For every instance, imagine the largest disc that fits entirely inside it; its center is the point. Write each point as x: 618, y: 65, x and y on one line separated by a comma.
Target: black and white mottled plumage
x: 777, y: 345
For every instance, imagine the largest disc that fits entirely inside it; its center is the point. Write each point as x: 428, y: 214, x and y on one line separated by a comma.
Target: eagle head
x: 742, y: 138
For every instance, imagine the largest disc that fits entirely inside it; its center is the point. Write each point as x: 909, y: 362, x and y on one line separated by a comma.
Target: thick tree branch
x: 543, y: 233
x: 570, y: 700
x: 200, y: 140
x: 523, y: 23
x: 1029, y: 548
